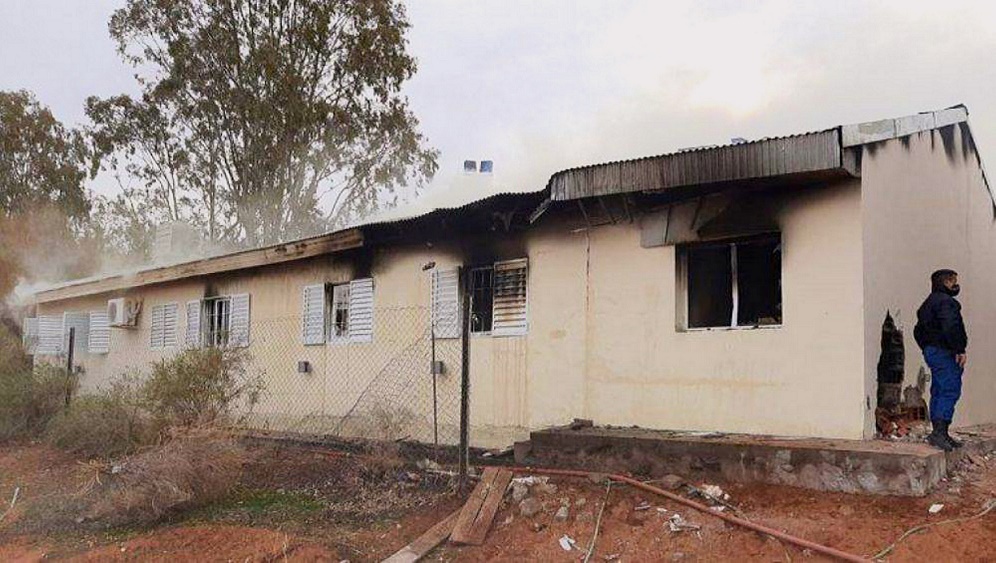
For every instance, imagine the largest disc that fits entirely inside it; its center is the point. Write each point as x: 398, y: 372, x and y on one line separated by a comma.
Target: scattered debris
x: 644, y: 505
x: 538, y: 527
x: 428, y: 465
x: 547, y: 488
x: 611, y: 557
x: 935, y: 508
x: 672, y: 481
x: 714, y: 491
x: 530, y: 507
x: 562, y: 514
x: 678, y: 524
x: 567, y: 543
x: 580, y: 423
x: 531, y: 480
x: 519, y: 492
x: 580, y: 502
x: 504, y: 452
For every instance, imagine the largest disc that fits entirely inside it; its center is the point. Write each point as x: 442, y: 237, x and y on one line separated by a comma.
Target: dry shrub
x: 202, y: 387
x: 102, y: 425
x: 382, y: 459
x: 29, y: 396
x: 193, y: 469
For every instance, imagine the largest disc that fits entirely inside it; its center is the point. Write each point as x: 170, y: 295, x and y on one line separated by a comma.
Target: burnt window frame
x: 476, y: 291
x: 332, y: 307
x: 682, y: 279
x: 217, y: 336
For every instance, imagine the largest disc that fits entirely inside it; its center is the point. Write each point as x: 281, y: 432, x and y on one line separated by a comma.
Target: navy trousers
x: 945, y: 382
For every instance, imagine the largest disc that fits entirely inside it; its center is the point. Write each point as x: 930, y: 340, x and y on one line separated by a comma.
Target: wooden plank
x: 276, y: 254
x: 468, y: 515
x: 489, y: 509
x: 422, y: 545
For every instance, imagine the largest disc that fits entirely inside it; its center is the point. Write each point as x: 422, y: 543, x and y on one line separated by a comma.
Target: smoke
x: 543, y: 87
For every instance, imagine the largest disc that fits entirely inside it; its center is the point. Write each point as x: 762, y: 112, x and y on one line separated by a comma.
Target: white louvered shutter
x: 192, y: 335
x: 361, y: 310
x: 510, y: 298
x: 50, y: 335
x: 81, y: 335
x: 29, y: 336
x: 446, y: 303
x: 100, y: 333
x: 313, y: 314
x: 238, y: 327
x: 157, y: 328
x: 171, y: 321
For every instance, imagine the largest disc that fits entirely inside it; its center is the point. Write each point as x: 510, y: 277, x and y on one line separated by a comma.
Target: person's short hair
x: 938, y: 278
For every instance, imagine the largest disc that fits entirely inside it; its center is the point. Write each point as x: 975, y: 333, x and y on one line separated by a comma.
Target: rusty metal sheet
x: 808, y: 152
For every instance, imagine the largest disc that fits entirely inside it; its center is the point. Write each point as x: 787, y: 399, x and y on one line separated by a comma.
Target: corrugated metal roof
x: 764, y: 158
x: 775, y: 156
x: 454, y: 193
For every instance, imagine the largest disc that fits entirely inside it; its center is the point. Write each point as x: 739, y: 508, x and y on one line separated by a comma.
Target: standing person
x: 940, y: 333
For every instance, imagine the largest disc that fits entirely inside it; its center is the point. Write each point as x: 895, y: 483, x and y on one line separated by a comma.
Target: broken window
x: 498, y: 298
x: 219, y: 319
x: 734, y: 284
x: 481, y: 298
x: 338, y: 322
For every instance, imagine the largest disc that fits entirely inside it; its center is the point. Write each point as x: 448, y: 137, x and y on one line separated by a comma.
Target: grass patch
x: 256, y: 504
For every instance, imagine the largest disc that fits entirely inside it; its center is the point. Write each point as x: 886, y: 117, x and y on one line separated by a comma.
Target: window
x: 733, y: 284
x: 100, y: 333
x: 163, y: 331
x: 498, y: 298
x: 218, y: 317
x: 338, y: 314
x: 481, y: 299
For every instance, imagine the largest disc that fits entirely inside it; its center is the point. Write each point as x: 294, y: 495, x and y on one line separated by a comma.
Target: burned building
x: 736, y: 288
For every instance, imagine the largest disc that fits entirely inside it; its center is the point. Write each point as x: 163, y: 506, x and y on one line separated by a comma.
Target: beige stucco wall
x: 925, y: 207
x: 602, y: 340
x: 635, y: 367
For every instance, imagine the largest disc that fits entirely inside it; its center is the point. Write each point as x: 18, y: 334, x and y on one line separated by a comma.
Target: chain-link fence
x: 399, y: 385
x: 383, y: 388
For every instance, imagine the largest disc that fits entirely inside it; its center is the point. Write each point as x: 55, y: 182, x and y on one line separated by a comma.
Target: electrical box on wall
x: 304, y: 366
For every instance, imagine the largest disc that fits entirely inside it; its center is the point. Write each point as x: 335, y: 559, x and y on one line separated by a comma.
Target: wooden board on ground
x: 475, y: 519
x: 425, y: 543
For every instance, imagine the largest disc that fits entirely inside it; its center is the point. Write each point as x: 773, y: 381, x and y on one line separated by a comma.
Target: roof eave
x: 275, y: 254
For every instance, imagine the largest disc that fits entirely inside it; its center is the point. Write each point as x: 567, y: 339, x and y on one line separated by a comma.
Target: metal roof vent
x: 469, y: 166
x: 487, y: 166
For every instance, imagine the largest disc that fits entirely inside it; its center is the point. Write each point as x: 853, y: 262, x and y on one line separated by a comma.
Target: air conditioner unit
x: 123, y: 312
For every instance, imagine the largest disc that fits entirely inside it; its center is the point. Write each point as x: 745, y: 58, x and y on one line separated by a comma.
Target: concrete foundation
x: 851, y: 466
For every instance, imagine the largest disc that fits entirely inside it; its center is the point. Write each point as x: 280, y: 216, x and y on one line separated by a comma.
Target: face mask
x: 954, y: 290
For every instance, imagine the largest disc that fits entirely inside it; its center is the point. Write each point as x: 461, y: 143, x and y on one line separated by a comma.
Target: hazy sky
x: 539, y: 86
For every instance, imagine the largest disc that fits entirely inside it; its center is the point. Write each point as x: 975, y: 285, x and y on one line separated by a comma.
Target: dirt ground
x: 301, y: 504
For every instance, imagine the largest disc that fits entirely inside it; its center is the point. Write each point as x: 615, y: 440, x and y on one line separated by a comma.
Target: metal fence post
x: 465, y: 378
x: 69, y: 365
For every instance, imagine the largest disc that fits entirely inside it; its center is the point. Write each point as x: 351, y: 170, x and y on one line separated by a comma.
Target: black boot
x: 954, y: 443
x: 937, y: 436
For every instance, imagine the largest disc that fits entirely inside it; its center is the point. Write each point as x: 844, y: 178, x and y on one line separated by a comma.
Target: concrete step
x: 850, y: 466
